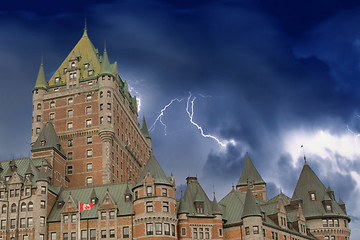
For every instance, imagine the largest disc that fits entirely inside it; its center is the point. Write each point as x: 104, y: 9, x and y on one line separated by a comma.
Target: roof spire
x: 105, y: 67
x: 144, y: 128
x: 40, y: 81
x: 85, y: 30
x: 302, y: 146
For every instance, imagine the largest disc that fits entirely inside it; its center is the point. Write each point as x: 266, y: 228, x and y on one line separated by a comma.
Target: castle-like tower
x: 93, y: 175
x: 95, y: 118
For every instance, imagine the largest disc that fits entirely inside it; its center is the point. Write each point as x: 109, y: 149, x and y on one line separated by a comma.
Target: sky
x: 263, y: 77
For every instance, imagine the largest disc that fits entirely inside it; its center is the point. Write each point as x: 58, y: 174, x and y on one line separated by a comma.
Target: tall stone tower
x: 94, y: 116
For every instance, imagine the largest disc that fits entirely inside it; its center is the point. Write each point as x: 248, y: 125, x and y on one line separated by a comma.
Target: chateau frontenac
x: 92, y: 175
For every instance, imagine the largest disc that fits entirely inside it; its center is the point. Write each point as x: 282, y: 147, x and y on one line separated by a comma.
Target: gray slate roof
x: 248, y: 173
x: 48, y: 139
x: 309, y: 182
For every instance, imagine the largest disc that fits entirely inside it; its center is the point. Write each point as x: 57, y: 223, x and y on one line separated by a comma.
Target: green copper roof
x: 234, y: 205
x: 215, y: 207
x: 144, y: 128
x: 250, y: 206
x: 87, y: 53
x: 40, y: 81
x: 43, y: 175
x: 195, y: 193
x: 309, y: 183
x: 249, y: 173
x: 83, y: 195
x: 285, y: 199
x: 157, y: 173
x: 105, y: 67
x: 48, y: 138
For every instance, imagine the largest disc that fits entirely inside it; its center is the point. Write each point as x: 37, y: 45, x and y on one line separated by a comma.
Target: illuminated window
x: 57, y: 80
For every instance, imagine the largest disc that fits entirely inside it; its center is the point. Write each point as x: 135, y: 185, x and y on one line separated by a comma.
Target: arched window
x: 52, y: 104
x: 23, y: 207
x: 108, y: 93
x: 30, y: 206
x: 13, y: 207
x: 39, y: 106
x: 4, y: 208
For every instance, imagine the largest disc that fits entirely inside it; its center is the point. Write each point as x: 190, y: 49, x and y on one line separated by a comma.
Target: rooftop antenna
x: 302, y: 146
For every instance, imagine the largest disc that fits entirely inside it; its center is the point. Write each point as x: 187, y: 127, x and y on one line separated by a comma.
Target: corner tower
x: 250, y: 178
x: 94, y: 117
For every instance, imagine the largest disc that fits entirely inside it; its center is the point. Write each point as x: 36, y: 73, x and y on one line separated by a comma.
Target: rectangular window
x: 88, y: 110
x: 109, y: 106
x: 112, y: 214
x: 336, y: 222
x: 70, y: 142
x: 256, y: 229
x: 83, y: 235
x: 73, y: 236
x: 43, y: 190
x: 69, y: 169
x: 103, y: 215
x: 38, y: 118
x: 53, y: 236
x: 326, y: 238
x: 30, y: 222
x: 42, y: 221
x: 73, y: 218
x: 173, y: 232
x: 42, y: 237
x: 88, y: 123
x: 109, y: 119
x: 42, y: 204
x: 3, y: 224
x: 88, y: 98
x: 166, y: 229
x: 70, y: 101
x: 149, y: 191
x: 331, y: 223
x: 195, y: 234
x: 126, y: 232
x: 12, y: 223
x: 92, y: 234
x: 247, y: 230
x: 52, y: 104
x: 89, y: 153
x: 52, y: 116
x: 164, y: 192
x: 37, y: 130
x: 165, y: 206
x: 22, y: 222
x: 112, y: 233
x: 89, y: 140
x: 221, y: 233
x: 89, y: 167
x: 325, y: 223
x: 158, y: 228
x: 183, y: 231
x: 103, y: 233
x: 149, y: 229
x: 70, y: 113
x: 149, y: 207
x: 70, y: 156
x: 66, y: 219
x: 65, y: 236
x: 89, y: 181
x: 69, y: 126
x: 333, y: 238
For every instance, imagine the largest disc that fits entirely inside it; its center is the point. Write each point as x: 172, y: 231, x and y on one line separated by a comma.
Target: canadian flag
x: 83, y: 206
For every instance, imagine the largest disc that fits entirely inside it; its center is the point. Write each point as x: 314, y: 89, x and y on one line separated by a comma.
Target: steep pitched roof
x: 215, y: 207
x: 195, y: 193
x: 83, y: 195
x: 308, y: 183
x: 249, y: 173
x: 87, y: 53
x: 40, y: 81
x: 285, y: 199
x: 157, y: 173
x: 48, y: 138
x: 144, y: 128
x: 105, y: 67
x: 250, y: 206
x: 234, y: 205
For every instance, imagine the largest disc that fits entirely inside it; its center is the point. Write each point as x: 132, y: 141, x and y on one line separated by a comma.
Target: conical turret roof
x: 157, y: 173
x: 249, y: 173
x: 42, y: 176
x: 105, y: 65
x: 215, y: 207
x: 48, y: 138
x: 40, y: 81
x: 144, y: 128
x: 250, y: 206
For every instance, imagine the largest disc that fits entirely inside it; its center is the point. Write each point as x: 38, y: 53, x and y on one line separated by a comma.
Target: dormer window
x: 73, y: 64
x: 65, y: 69
x: 127, y: 198
x: 91, y: 72
x: 71, y: 76
x: 328, y: 208
x: 42, y: 143
x: 86, y: 66
x: 251, y: 183
x: 57, y: 80
x: 199, y: 206
x: 149, y: 191
x: 7, y: 178
x: 312, y: 196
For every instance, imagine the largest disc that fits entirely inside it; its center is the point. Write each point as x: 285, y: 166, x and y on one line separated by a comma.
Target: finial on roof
x: 302, y: 146
x: 85, y: 30
x: 232, y: 186
x: 280, y: 190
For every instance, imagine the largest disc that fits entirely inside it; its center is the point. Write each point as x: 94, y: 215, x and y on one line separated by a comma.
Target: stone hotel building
x: 92, y: 175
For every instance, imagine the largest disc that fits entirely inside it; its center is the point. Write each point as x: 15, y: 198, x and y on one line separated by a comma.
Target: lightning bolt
x: 159, y: 118
x: 138, y: 99
x: 191, y: 100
